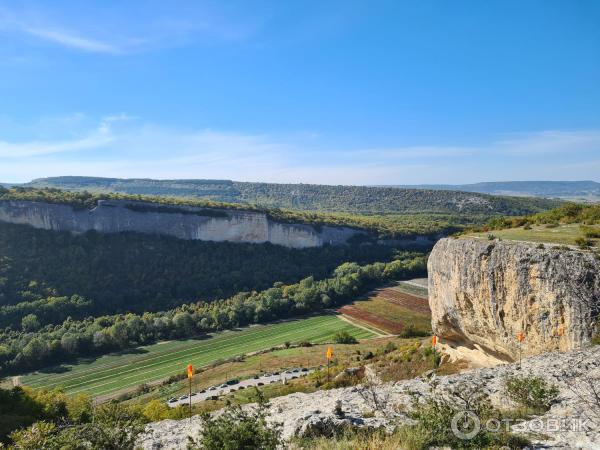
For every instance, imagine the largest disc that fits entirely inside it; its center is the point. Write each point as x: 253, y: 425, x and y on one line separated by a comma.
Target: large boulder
x: 483, y: 293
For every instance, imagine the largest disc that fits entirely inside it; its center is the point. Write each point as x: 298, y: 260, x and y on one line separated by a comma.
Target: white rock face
x: 483, y: 293
x: 315, y: 414
x: 184, y: 222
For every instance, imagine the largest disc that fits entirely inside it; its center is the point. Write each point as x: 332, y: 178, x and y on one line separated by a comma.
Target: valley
x: 112, y: 314
x: 300, y: 225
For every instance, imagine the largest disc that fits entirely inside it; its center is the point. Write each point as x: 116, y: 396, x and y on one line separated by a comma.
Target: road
x: 217, y: 391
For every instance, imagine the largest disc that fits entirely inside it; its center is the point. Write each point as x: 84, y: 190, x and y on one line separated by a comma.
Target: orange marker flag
x: 434, y: 341
x: 521, y: 336
x: 330, y: 352
x: 190, y: 371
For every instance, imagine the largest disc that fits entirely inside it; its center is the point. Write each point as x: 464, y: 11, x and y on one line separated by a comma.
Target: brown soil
x: 367, y: 317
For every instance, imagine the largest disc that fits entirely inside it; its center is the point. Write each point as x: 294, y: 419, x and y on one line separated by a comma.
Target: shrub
x: 590, y: 232
x: 115, y: 427
x: 389, y: 347
x: 369, y: 355
x: 434, y: 417
x: 430, y: 352
x: 531, y: 392
x: 343, y: 337
x: 238, y: 429
x: 583, y: 242
x: 412, y: 331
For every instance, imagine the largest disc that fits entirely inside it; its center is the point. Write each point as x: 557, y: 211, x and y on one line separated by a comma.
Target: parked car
x: 172, y: 399
x: 183, y: 397
x: 194, y: 393
x: 232, y: 381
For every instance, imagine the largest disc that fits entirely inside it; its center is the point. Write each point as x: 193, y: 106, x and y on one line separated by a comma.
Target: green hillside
x: 312, y: 197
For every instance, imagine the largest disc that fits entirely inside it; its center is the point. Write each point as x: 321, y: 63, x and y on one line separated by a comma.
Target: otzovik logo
x: 466, y: 425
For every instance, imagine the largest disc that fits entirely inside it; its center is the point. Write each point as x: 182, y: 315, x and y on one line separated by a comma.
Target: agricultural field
x: 145, y: 365
x: 345, y: 355
x: 552, y: 234
x: 399, y: 309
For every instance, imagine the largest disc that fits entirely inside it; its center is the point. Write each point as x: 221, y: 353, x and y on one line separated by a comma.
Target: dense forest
x: 35, y: 346
x: 58, y: 274
x: 311, y: 197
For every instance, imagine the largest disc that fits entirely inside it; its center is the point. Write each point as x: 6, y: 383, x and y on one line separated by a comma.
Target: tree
x: 156, y: 410
x: 237, y: 429
x: 343, y: 337
x: 30, y: 323
x: 115, y: 427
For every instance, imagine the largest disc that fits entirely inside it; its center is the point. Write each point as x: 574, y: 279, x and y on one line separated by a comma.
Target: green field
x: 112, y: 373
x: 562, y: 234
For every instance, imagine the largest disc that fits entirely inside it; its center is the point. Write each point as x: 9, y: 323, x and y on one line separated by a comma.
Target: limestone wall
x: 483, y: 293
x: 184, y: 222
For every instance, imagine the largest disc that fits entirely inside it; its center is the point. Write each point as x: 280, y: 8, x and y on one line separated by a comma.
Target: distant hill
x: 571, y: 190
x: 311, y: 197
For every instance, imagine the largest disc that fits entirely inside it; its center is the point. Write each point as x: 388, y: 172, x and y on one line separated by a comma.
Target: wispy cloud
x: 68, y: 39
x: 123, y: 146
x: 549, y: 142
x: 110, y: 31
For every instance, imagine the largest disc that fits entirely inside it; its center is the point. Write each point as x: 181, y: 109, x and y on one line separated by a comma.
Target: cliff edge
x: 180, y: 221
x: 484, y: 293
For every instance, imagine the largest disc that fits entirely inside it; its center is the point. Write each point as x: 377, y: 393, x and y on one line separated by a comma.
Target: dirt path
x: 378, y: 331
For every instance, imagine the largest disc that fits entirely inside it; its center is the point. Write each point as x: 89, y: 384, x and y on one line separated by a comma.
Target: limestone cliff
x: 483, y: 293
x: 184, y: 222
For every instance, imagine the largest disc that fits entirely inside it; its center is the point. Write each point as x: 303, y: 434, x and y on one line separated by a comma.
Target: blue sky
x: 335, y: 92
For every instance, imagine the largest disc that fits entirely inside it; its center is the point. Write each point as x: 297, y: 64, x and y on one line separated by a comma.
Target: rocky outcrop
x: 483, y: 293
x: 184, y: 222
x: 324, y: 412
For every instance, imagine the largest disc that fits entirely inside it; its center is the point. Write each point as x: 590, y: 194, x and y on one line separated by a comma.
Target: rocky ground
x: 572, y: 422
